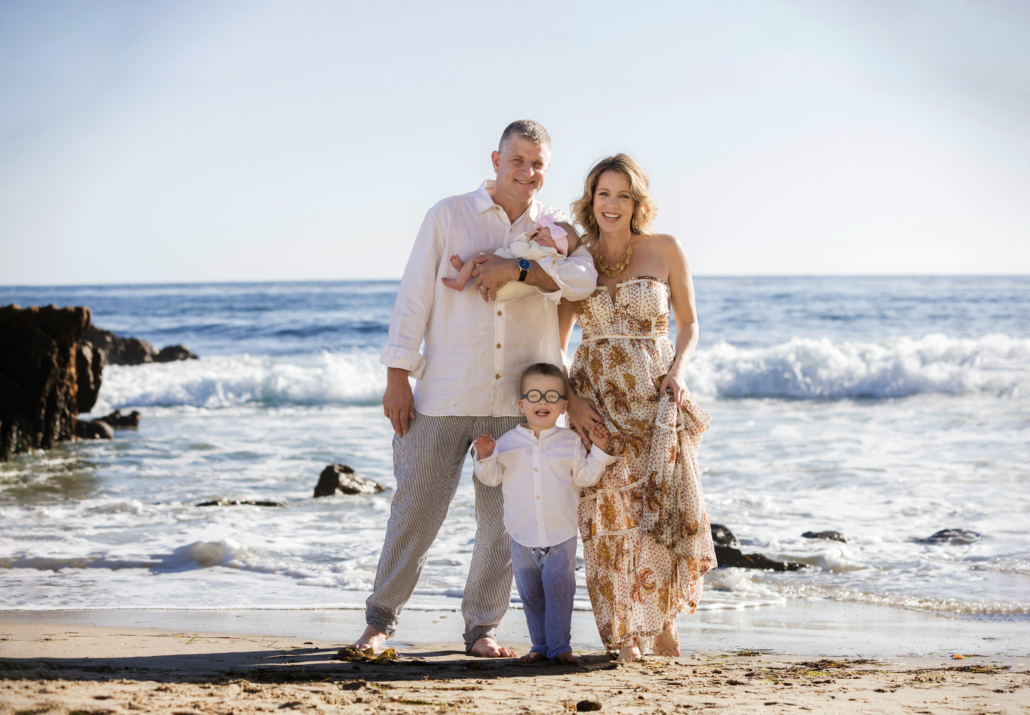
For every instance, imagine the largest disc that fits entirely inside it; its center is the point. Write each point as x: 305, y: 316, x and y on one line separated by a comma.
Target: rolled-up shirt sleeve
x: 415, y: 300
x: 576, y: 276
x: 488, y: 470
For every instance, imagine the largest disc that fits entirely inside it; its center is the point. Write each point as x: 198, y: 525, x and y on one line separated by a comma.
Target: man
x: 475, y: 350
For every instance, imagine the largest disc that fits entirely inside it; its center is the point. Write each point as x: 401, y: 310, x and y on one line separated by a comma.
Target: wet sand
x: 54, y: 667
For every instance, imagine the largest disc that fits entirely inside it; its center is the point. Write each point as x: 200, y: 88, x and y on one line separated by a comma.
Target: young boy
x: 540, y: 467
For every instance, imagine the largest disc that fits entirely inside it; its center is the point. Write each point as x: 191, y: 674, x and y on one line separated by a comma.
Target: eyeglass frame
x: 543, y: 396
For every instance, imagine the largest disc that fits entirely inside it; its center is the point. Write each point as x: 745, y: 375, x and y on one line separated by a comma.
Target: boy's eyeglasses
x: 551, y: 396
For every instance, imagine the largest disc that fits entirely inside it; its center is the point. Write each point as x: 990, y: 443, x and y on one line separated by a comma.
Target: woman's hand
x: 676, y: 382
x: 484, y: 446
x: 584, y: 415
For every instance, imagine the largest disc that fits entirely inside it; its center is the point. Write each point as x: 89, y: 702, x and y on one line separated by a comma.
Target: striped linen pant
x: 427, y: 462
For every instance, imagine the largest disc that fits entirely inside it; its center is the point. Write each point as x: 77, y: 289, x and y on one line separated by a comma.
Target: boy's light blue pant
x: 546, y: 579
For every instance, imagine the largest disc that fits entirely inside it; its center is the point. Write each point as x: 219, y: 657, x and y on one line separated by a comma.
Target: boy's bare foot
x: 371, y: 638
x: 629, y: 654
x: 567, y: 658
x: 533, y: 657
x: 487, y: 648
x: 667, y: 643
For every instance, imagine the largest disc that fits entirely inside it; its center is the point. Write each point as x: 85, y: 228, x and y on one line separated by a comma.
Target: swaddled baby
x: 550, y: 242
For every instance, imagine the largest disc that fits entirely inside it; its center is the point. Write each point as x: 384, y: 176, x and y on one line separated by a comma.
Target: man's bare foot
x: 533, y: 657
x: 667, y: 643
x: 567, y: 658
x: 629, y: 654
x: 371, y: 638
x: 487, y: 648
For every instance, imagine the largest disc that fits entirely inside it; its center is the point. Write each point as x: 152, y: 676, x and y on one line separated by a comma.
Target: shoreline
x: 795, y: 628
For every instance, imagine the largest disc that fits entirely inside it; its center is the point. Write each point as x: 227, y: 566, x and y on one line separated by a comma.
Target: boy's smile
x: 542, y: 415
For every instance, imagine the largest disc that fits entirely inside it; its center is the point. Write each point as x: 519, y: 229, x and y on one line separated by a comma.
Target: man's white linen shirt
x: 539, y: 477
x: 475, y: 351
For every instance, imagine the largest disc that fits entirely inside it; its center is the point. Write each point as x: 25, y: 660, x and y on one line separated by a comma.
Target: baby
x: 548, y: 240
x: 540, y: 467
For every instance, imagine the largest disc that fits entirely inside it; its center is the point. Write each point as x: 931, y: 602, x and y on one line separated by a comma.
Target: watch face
x: 524, y: 264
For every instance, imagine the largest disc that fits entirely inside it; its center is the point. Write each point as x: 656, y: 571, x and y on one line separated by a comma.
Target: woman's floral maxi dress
x: 646, y: 539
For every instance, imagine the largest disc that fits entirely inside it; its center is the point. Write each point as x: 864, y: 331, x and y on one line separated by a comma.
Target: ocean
x: 885, y: 408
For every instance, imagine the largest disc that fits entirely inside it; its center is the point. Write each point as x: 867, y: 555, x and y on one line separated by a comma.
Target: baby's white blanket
x: 523, y: 247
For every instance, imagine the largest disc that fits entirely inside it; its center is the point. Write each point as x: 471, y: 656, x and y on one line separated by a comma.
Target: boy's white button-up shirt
x: 475, y: 352
x: 540, y: 477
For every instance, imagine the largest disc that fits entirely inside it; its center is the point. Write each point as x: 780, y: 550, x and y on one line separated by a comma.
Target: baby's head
x: 540, y: 382
x: 551, y: 235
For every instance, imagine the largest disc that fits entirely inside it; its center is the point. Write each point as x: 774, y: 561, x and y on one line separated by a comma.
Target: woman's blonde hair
x: 639, y: 188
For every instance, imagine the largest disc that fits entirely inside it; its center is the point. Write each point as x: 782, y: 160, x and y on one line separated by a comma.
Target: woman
x: 646, y: 538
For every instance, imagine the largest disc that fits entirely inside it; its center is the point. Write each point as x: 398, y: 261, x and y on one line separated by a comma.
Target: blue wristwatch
x: 524, y: 269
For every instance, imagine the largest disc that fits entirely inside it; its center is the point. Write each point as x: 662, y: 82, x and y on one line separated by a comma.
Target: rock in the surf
x: 342, y: 478
x: 728, y: 556
x: 240, y: 502
x: 133, y: 351
x: 831, y: 535
x: 173, y: 353
x: 48, y: 374
x: 722, y: 536
x: 121, y: 351
x: 951, y: 536
x: 93, y: 429
x: 117, y: 419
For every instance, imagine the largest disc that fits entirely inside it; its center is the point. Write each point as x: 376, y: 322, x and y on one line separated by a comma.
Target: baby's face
x: 543, y: 237
x: 542, y: 414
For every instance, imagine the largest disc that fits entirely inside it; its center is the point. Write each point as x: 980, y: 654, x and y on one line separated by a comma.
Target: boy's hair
x: 542, y: 368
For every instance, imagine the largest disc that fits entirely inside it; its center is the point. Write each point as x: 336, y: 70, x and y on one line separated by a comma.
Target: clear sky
x: 208, y: 141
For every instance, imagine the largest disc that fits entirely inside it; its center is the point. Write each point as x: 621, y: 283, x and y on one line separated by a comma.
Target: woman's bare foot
x: 667, y: 643
x: 629, y: 654
x: 487, y: 648
x: 567, y: 658
x: 533, y: 657
x: 371, y: 638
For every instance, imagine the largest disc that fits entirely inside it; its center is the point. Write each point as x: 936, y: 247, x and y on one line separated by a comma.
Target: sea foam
x: 800, y: 369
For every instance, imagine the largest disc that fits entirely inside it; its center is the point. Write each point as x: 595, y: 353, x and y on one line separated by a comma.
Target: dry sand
x: 85, y: 669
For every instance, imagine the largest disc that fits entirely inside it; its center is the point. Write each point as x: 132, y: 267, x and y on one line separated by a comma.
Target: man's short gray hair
x: 527, y: 129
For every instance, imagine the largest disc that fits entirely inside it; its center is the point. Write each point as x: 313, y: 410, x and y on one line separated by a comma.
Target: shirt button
x: 537, y: 496
x: 497, y: 377
x: 500, y: 313
x: 498, y: 346
x: 535, y: 469
x: 537, y: 444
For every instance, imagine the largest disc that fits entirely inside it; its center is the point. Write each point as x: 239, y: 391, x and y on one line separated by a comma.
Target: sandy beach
x: 57, y: 665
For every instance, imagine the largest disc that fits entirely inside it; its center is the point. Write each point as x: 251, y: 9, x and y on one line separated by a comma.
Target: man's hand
x: 492, y: 273
x: 599, y: 436
x: 398, y: 402
x: 484, y: 446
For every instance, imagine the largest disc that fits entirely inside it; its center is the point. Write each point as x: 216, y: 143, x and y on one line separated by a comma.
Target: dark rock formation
x: 342, y: 478
x: 173, y: 353
x: 832, y: 535
x: 93, y: 429
x: 728, y: 556
x: 89, y: 366
x: 132, y: 351
x: 237, y: 502
x: 48, y: 374
x: 723, y: 536
x: 951, y: 536
x: 121, y: 351
x: 117, y: 419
